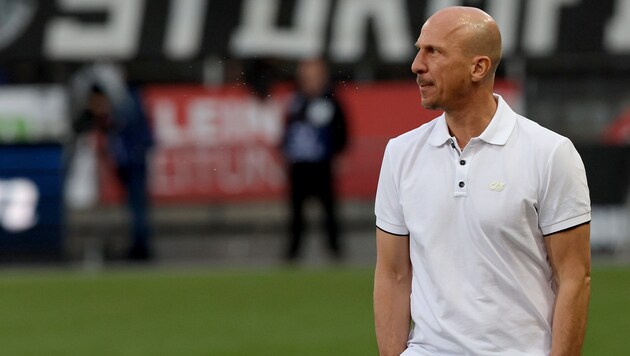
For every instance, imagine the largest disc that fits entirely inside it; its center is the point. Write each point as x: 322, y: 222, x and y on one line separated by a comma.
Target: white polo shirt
x: 482, y: 284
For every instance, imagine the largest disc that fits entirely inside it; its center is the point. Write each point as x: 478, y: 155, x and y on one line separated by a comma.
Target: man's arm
x: 392, y: 288
x: 570, y: 256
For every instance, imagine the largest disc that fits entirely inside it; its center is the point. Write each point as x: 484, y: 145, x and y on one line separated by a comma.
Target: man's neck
x: 472, y: 119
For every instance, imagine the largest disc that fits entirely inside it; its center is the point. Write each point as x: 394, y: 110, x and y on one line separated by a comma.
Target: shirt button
x: 462, y: 184
x: 462, y: 162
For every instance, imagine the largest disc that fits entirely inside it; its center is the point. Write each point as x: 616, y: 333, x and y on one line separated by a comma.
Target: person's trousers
x: 134, y: 180
x: 312, y: 180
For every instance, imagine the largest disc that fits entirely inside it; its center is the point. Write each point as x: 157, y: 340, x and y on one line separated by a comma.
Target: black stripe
x: 391, y: 233
x: 568, y: 228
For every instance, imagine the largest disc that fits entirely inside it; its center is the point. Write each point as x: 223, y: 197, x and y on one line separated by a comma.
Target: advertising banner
x: 220, y: 144
x: 341, y: 30
x: 33, y: 113
x: 31, y: 202
x: 33, y: 123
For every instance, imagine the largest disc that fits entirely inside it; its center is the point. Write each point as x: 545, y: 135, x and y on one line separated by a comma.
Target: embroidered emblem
x: 497, y: 186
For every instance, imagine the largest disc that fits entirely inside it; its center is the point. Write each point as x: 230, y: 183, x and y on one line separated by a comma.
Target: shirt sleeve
x: 564, y: 197
x: 389, y: 213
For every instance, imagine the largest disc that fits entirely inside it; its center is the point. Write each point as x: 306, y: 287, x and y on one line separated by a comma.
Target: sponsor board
x: 31, y: 202
x: 342, y: 30
x: 33, y: 113
x: 222, y: 144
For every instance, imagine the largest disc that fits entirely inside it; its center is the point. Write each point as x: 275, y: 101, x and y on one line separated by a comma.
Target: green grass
x: 608, y: 330
x: 273, y: 312
x: 278, y: 312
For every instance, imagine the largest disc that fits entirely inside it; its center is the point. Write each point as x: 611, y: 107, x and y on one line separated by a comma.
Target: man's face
x: 99, y: 105
x: 441, y: 68
x: 312, y: 77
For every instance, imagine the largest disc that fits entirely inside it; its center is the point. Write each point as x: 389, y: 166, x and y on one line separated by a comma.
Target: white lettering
x: 542, y: 25
x: 167, y: 132
x: 18, y: 204
x: 215, y: 121
x: 182, y: 169
x: 391, y: 29
x: 258, y: 35
x: 204, y: 123
x: 67, y: 38
x: 252, y: 169
x: 185, y: 28
x: 162, y: 174
x: 219, y: 172
x: 616, y: 37
x: 16, y: 17
x: 267, y: 119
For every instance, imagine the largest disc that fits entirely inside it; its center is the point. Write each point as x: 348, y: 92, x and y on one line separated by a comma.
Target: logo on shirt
x: 497, y: 186
x: 320, y: 112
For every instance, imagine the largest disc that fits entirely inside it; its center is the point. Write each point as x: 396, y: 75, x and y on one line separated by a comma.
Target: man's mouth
x: 423, y: 84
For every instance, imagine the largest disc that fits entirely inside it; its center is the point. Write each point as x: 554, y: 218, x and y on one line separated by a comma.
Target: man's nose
x: 418, y: 65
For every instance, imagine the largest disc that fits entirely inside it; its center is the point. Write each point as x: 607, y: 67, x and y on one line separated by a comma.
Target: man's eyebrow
x: 429, y: 46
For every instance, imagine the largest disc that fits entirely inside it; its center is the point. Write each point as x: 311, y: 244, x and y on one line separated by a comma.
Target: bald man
x: 482, y: 215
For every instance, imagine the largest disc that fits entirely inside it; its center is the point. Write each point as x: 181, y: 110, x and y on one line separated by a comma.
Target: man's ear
x: 480, y: 68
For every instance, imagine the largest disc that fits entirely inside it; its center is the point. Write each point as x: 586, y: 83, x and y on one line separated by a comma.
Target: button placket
x: 462, y: 165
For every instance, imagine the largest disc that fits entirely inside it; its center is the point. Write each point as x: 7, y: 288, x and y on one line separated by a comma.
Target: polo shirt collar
x: 501, y: 126
x: 439, y: 134
x: 497, y: 132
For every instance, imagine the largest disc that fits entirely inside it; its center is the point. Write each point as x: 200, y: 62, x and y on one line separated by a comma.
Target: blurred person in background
x: 314, y: 136
x: 107, y: 107
x: 482, y: 215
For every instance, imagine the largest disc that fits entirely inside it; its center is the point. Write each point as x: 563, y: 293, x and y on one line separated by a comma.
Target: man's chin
x: 428, y: 105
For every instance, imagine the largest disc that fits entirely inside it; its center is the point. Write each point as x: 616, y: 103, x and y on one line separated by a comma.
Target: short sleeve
x: 564, y: 200
x: 389, y: 214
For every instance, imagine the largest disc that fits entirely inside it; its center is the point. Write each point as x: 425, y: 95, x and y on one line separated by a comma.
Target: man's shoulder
x: 533, y: 132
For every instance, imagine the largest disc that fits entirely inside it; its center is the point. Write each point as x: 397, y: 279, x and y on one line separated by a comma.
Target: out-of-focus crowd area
x: 136, y: 130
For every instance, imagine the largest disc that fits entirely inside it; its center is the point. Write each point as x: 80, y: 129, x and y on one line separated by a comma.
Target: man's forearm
x: 570, y: 316
x: 391, y: 311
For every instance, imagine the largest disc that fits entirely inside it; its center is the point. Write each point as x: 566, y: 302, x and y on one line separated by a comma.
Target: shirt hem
x: 391, y: 228
x: 566, y: 224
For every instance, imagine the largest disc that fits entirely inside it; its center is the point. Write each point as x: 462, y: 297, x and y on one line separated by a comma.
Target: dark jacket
x: 316, y: 129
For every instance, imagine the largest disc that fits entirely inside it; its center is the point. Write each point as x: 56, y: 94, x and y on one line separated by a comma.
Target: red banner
x: 221, y: 144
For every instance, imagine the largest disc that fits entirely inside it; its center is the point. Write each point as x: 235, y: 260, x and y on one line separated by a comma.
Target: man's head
x: 97, y: 102
x: 312, y: 76
x: 459, y: 49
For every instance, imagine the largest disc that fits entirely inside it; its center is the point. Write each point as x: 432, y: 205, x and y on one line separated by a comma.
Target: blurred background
x: 137, y: 132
